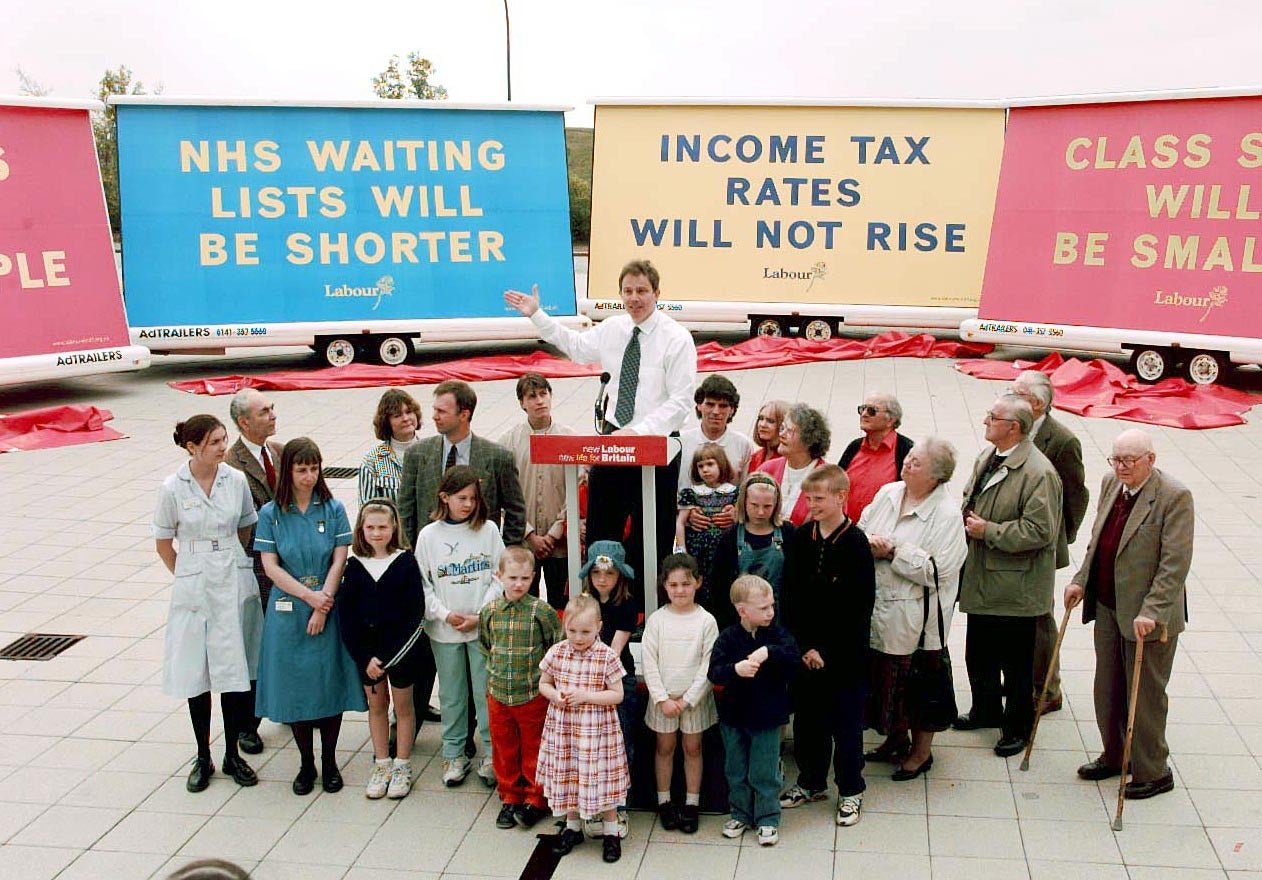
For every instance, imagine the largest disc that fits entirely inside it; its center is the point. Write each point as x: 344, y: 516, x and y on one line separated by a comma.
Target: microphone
x: 602, y: 403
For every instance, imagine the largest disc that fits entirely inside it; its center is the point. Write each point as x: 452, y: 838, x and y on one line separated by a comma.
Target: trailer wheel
x: 1151, y: 365
x: 1205, y: 368
x: 818, y: 330
x: 338, y: 350
x: 393, y: 350
x: 768, y: 327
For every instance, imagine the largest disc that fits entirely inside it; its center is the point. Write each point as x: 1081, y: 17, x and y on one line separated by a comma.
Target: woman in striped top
x: 397, y: 425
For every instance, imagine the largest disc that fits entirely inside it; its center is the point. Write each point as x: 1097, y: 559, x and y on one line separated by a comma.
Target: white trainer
x: 400, y: 780
x: 768, y: 835
x: 848, y: 809
x: 486, y: 772
x: 734, y: 828
x: 379, y: 781
x: 455, y: 771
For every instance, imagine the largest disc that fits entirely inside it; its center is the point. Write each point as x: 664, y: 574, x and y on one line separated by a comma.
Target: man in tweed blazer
x: 426, y: 462
x: 1133, y: 584
x: 255, y: 416
x: 1064, y: 451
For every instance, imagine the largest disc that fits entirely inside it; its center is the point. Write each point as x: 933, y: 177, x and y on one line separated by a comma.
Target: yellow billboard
x: 802, y: 204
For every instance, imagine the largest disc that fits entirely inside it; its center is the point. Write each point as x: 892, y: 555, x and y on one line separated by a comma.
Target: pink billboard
x: 59, y: 291
x: 1138, y: 215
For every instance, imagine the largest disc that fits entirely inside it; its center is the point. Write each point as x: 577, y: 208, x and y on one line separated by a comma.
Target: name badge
x: 191, y: 503
x: 284, y: 604
x: 320, y: 527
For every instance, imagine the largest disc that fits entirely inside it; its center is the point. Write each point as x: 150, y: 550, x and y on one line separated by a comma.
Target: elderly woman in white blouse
x: 913, y: 526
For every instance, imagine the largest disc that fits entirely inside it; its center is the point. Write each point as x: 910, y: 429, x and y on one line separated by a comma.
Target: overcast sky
x: 569, y: 51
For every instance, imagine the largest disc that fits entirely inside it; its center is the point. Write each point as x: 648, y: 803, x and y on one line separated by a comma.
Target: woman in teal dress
x: 306, y: 677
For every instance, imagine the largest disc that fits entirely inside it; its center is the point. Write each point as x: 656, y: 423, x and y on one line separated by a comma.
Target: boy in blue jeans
x: 754, y: 661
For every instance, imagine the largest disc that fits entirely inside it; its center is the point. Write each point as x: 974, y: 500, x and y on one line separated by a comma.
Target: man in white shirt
x: 257, y: 456
x: 716, y: 402
x: 653, y: 364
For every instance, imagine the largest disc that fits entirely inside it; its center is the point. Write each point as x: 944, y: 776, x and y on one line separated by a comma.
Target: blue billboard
x: 270, y: 214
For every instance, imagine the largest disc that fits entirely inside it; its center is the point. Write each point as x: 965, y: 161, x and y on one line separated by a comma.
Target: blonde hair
x: 749, y: 586
x: 515, y: 555
x: 581, y: 605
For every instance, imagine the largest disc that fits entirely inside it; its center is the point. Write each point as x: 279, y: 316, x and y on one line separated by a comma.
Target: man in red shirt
x: 876, y: 458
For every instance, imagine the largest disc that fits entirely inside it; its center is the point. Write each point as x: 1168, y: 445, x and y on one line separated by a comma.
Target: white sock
x: 611, y: 829
x: 663, y: 797
x: 692, y: 800
x: 573, y: 824
x: 402, y: 762
x: 382, y: 762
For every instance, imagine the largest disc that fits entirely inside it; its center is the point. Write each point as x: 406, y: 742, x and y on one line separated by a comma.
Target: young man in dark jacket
x: 827, y: 597
x: 754, y: 661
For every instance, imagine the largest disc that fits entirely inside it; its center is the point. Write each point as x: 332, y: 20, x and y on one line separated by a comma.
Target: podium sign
x: 629, y: 450
x: 633, y: 450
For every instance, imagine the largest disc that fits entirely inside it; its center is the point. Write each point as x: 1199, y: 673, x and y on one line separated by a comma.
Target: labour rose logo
x: 818, y: 271
x: 1217, y: 299
x: 385, y: 287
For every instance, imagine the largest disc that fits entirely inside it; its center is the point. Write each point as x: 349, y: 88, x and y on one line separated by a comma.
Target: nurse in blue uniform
x: 215, y: 620
x: 306, y: 677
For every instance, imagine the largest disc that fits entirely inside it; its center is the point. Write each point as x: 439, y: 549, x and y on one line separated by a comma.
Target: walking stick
x: 1047, y: 684
x: 1130, y: 727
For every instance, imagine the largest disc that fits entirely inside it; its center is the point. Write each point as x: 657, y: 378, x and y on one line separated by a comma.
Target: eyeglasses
x: 991, y: 417
x: 867, y: 409
x: 1124, y: 460
x: 787, y: 430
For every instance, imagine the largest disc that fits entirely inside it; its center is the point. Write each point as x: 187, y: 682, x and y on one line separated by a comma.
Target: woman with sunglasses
x: 875, y: 459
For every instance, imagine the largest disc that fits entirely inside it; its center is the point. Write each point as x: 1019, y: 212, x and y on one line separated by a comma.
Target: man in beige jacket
x: 1133, y: 585
x: 1012, y: 511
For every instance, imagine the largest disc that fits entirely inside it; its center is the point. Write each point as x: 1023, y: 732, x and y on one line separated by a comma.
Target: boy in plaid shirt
x: 515, y: 631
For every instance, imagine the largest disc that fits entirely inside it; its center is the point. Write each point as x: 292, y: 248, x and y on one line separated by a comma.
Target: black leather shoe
x: 1137, y: 791
x: 250, y: 742
x: 974, y: 721
x: 902, y: 774
x: 612, y: 849
x: 668, y: 816
x: 507, y: 817
x: 890, y: 753
x: 1010, y: 745
x: 1096, y: 770
x: 241, y: 772
x: 331, y: 778
x: 689, y: 818
x: 528, y: 815
x: 199, y: 776
x: 566, y: 841
x: 304, y: 782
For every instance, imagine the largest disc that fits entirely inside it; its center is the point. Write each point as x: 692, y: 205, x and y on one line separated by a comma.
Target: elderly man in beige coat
x: 1012, y: 512
x: 1133, y: 585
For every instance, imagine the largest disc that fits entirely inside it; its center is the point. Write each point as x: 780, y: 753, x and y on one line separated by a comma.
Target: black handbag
x: 930, y: 687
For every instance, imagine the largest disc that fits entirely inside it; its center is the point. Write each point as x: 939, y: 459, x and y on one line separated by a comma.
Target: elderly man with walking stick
x: 1133, y: 585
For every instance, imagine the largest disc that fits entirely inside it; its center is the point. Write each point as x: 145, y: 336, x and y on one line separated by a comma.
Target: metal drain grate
x: 340, y: 473
x: 37, y: 646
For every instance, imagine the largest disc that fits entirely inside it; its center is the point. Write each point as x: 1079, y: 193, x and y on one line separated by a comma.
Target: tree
x: 392, y: 84
x: 29, y: 85
x: 113, y: 82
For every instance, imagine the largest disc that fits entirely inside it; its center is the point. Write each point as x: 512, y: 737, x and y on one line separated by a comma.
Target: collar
x: 185, y: 473
x: 548, y: 430
x: 255, y: 449
x: 651, y: 323
x: 1038, y: 424
x: 886, y: 444
x: 462, y: 448
x: 925, y: 508
x: 1137, y: 489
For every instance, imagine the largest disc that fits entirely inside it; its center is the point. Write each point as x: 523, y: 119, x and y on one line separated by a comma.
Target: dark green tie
x: 628, y: 380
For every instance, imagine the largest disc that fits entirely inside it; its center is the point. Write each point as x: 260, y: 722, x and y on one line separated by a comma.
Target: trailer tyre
x: 393, y: 350
x: 1151, y: 365
x: 338, y: 351
x: 767, y: 327
x: 818, y: 330
x: 1205, y: 368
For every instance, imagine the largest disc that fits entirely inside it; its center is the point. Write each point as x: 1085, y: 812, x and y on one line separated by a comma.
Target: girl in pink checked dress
x: 582, y: 758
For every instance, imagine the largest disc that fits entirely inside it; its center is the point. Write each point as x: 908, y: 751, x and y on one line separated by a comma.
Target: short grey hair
x: 1018, y: 409
x: 813, y: 428
x: 1040, y: 385
x: 940, y: 456
x: 240, y: 406
x: 891, y: 404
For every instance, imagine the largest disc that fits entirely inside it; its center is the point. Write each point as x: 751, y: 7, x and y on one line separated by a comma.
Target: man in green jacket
x: 1012, y: 514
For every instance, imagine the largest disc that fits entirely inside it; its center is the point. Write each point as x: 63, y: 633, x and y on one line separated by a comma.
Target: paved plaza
x: 93, y: 757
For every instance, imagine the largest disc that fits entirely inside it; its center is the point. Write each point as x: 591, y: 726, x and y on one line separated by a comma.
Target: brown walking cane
x: 1047, y: 684
x: 1130, y: 726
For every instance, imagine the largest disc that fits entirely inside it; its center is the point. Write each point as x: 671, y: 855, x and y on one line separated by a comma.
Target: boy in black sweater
x: 826, y: 602
x: 754, y: 662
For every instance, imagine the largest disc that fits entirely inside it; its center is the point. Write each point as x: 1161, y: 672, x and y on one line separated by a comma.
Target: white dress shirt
x: 257, y: 452
x: 668, y: 365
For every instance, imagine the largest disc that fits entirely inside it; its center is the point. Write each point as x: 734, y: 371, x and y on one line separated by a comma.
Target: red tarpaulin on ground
x: 753, y: 353
x: 1101, y: 390
x: 55, y: 426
